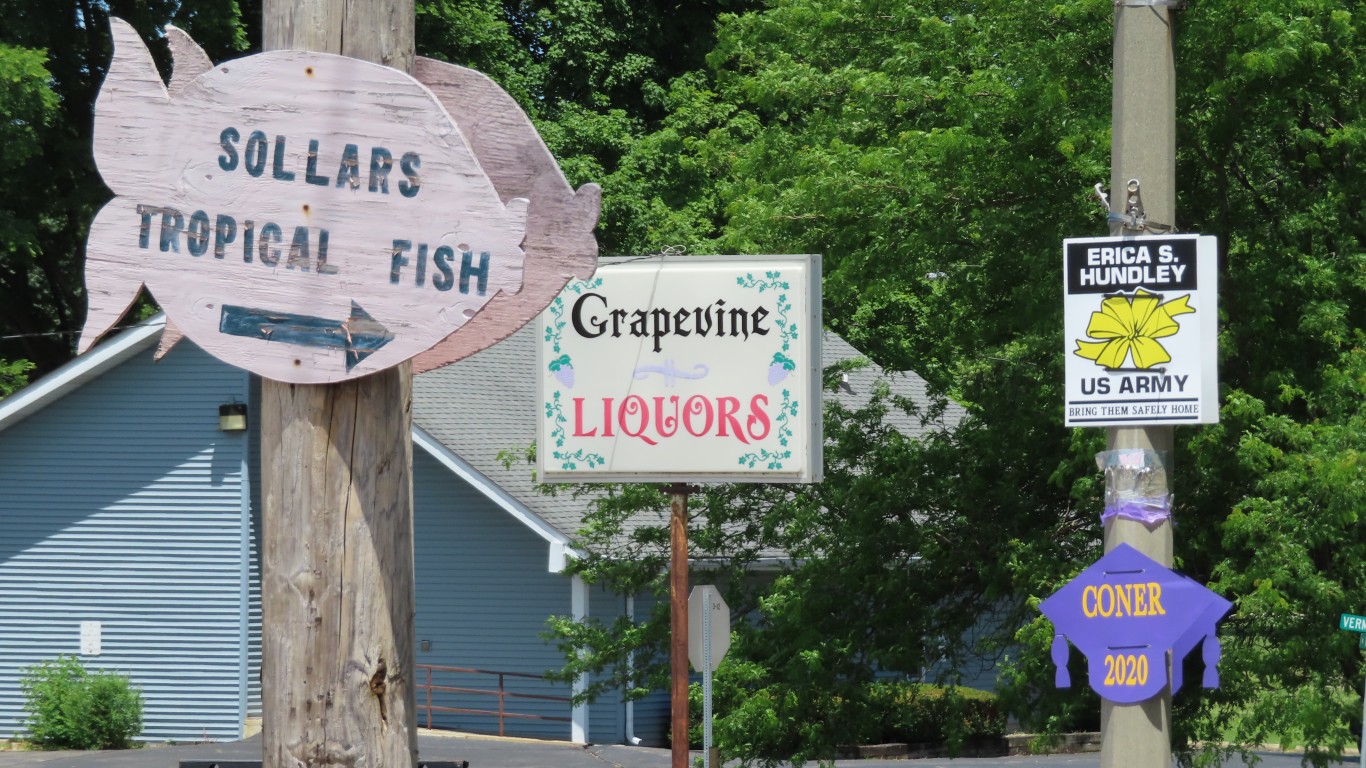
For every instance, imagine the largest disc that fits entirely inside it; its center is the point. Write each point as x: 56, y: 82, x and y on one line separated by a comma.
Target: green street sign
x: 1352, y: 622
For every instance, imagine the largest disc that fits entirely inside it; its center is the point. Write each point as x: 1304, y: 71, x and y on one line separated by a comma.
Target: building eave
x: 80, y: 371
x: 561, y: 547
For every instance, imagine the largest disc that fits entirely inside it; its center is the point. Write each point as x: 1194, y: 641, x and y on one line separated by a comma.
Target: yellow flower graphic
x: 1132, y: 325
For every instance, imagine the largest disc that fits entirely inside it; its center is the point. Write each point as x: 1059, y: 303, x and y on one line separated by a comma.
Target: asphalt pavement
x: 491, y: 752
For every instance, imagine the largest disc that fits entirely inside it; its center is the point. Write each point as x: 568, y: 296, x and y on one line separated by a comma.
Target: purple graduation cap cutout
x: 1124, y: 613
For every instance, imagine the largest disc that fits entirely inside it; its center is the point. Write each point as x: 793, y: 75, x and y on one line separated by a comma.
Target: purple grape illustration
x: 563, y: 370
x: 781, y: 366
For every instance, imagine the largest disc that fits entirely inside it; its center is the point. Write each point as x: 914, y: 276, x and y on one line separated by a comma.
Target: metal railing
x: 425, y: 688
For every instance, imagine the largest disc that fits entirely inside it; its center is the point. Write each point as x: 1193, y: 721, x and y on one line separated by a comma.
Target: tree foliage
x: 13, y: 376
x: 937, y: 154
x: 1270, y: 142
x: 52, y: 60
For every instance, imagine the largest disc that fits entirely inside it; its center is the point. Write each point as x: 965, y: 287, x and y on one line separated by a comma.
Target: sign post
x: 1142, y: 187
x: 342, y: 605
x: 678, y: 624
x: 708, y: 641
x: 1354, y: 623
x: 315, y: 215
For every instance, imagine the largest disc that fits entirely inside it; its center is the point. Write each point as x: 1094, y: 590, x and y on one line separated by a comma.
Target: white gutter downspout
x: 631, y: 737
x: 578, y: 605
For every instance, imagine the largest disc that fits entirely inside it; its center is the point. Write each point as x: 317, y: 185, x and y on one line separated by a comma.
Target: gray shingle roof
x: 487, y: 404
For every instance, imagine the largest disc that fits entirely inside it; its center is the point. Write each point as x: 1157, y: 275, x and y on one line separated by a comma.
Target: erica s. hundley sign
x: 1141, y: 319
x: 673, y: 368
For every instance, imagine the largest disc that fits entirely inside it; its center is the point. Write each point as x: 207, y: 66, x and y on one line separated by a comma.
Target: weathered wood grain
x: 337, y: 584
x: 188, y: 61
x: 337, y: 576
x: 559, y: 242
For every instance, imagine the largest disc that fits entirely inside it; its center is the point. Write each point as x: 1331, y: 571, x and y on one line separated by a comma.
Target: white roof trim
x: 560, y: 547
x: 79, y: 371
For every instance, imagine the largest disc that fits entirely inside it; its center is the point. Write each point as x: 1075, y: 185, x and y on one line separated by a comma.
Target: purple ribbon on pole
x: 1150, y: 511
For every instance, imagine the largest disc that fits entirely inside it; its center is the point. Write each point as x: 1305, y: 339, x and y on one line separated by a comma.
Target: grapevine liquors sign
x: 1140, y: 321
x: 315, y: 218
x: 684, y: 368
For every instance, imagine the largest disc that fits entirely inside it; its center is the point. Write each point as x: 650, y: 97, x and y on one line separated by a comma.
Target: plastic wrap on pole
x: 1135, y: 486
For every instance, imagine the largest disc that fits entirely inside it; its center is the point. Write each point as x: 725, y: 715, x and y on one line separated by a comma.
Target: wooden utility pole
x: 1143, y: 149
x: 337, y: 545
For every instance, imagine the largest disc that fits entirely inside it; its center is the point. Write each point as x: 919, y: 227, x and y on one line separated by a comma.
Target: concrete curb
x: 1014, y: 745
x: 1066, y: 744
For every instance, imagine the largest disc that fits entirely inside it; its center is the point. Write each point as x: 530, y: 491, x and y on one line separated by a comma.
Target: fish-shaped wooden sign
x: 314, y: 218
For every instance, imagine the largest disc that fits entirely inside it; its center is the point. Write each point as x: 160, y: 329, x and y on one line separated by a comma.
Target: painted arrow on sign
x: 360, y: 335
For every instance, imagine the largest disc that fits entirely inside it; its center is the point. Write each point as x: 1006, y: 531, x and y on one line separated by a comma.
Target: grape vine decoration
x: 555, y: 330
x: 562, y: 368
x: 787, y: 328
x: 775, y: 459
x: 778, y: 369
x: 568, y: 461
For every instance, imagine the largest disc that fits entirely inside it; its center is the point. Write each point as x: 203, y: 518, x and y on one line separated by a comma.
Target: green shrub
x: 759, y: 719
x: 917, y: 713
x: 71, y: 708
x: 764, y: 721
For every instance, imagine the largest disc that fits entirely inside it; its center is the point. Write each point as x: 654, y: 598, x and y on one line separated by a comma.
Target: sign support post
x: 678, y: 623
x: 708, y: 641
x: 706, y: 690
x: 337, y: 586
x: 1142, y: 182
x: 1353, y: 623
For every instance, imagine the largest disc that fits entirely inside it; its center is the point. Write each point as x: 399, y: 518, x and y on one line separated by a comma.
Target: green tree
x: 13, y: 376
x: 1270, y: 141
x: 27, y: 107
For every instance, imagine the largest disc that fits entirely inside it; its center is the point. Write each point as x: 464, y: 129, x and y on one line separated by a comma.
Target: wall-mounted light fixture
x: 232, y: 417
